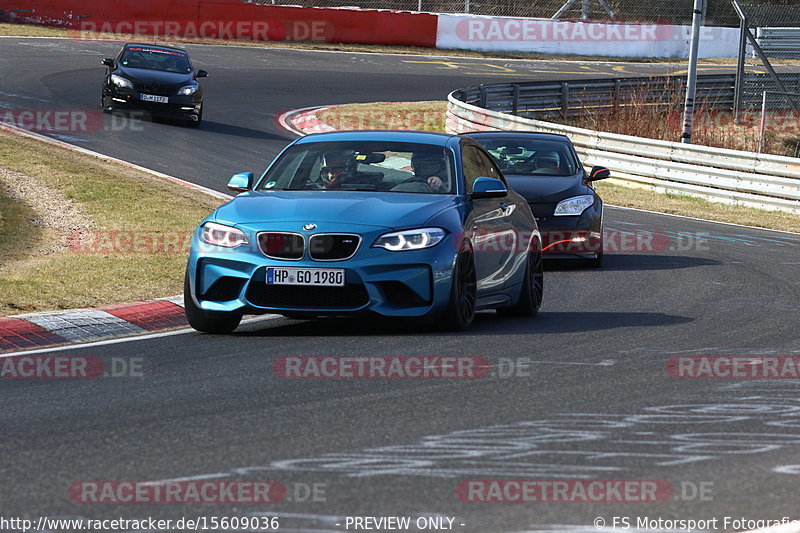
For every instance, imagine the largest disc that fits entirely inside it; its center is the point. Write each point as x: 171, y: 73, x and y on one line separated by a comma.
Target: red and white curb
x: 304, y: 121
x: 39, y: 330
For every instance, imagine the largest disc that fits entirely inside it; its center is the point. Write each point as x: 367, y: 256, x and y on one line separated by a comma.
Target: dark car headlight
x: 188, y: 90
x: 121, y: 82
x: 574, y: 206
x: 413, y: 239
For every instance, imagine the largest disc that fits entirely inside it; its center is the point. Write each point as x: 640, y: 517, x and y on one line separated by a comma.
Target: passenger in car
x: 430, y: 167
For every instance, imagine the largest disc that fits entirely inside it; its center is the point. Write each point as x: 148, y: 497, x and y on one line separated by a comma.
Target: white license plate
x: 155, y: 98
x: 328, y: 277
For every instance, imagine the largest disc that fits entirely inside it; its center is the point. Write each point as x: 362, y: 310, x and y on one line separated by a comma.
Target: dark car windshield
x: 363, y: 166
x: 156, y: 59
x: 531, y: 157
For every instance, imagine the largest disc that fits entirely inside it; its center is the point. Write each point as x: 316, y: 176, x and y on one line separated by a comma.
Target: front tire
x: 103, y: 107
x: 597, y: 261
x: 207, y: 321
x: 532, y: 290
x: 463, y: 294
x: 196, y: 123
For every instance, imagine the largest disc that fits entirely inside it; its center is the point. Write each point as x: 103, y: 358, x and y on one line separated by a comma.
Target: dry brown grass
x: 416, y: 116
x: 712, y: 127
x: 116, y: 198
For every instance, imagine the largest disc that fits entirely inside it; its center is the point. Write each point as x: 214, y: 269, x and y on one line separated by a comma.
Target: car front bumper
x: 395, y: 284
x: 572, y: 235
x: 188, y: 107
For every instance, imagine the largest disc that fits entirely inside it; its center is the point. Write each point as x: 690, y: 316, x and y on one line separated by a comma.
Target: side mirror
x: 107, y: 62
x: 201, y: 74
x: 241, y: 182
x: 599, y: 173
x: 488, y: 188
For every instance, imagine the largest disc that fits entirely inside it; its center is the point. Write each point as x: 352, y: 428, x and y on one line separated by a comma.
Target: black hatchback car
x: 156, y: 79
x: 545, y: 169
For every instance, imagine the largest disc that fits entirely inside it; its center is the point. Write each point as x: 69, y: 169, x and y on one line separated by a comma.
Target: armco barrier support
x: 729, y: 176
x: 228, y: 19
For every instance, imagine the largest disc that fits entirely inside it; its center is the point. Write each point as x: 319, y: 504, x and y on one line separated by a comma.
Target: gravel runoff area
x: 54, y: 211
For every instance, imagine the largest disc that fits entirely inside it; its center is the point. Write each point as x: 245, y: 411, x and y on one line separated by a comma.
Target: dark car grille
x: 281, y: 245
x: 333, y: 247
x: 350, y: 296
x: 152, y: 88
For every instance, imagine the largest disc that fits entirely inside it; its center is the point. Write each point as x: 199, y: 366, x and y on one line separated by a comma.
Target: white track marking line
x: 119, y: 340
x: 701, y: 219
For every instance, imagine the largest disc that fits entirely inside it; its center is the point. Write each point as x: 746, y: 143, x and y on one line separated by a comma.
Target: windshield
x: 156, y: 59
x: 363, y: 166
x: 531, y: 157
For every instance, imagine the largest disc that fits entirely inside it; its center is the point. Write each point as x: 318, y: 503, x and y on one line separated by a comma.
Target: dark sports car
x: 545, y: 169
x: 395, y: 224
x: 156, y: 79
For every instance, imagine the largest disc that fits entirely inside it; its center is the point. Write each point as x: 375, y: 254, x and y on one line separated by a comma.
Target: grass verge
x: 131, y: 246
x: 17, y: 231
x: 430, y: 116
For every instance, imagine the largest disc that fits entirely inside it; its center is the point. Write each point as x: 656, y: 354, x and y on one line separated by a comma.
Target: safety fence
x: 729, y: 176
x: 544, y: 99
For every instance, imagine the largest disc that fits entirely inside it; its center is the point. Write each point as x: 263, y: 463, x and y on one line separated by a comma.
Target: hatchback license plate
x: 155, y: 98
x: 329, y: 277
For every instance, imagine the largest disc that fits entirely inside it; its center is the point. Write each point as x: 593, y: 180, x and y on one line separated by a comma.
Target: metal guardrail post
x: 739, y: 87
x: 482, y: 98
x: 564, y: 98
x: 515, y: 100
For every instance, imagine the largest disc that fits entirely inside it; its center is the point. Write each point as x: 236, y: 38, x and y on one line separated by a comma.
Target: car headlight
x: 189, y: 90
x: 119, y: 81
x: 220, y: 235
x: 414, y: 239
x: 574, y: 206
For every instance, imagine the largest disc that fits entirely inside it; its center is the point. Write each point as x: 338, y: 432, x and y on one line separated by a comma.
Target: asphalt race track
x: 580, y: 393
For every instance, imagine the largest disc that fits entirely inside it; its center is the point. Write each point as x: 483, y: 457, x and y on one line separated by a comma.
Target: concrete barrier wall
x: 231, y: 19
x: 546, y: 36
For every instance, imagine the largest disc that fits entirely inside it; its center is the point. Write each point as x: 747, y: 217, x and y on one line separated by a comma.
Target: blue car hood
x: 390, y: 210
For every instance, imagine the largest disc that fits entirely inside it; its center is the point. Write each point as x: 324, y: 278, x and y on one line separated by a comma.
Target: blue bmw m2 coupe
x: 389, y: 223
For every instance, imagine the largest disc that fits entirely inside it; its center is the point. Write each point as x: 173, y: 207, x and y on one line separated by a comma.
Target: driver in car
x: 336, y: 168
x: 430, y: 167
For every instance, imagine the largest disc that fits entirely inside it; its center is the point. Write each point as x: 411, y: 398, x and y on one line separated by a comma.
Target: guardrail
x: 730, y: 176
x: 565, y: 98
x: 783, y: 43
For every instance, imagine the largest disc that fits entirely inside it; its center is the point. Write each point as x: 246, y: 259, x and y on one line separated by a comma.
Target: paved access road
x: 588, y: 396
